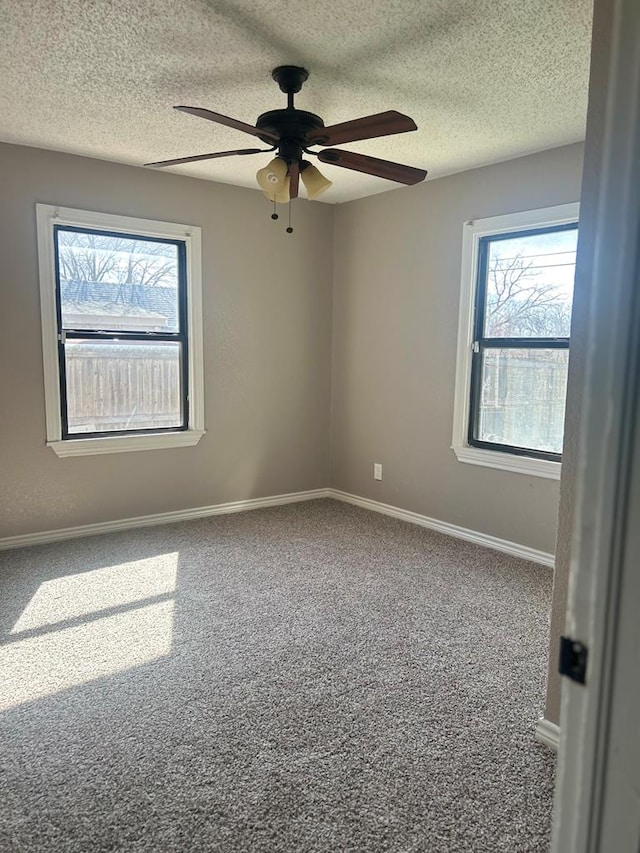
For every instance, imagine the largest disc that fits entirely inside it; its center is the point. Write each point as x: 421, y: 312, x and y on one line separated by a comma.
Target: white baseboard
x: 445, y: 527
x: 158, y: 518
x: 548, y: 733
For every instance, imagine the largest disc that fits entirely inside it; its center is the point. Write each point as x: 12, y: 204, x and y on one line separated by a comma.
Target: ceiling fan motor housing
x: 291, y: 125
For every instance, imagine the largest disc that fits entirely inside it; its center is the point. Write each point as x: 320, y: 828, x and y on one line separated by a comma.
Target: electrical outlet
x: 377, y: 471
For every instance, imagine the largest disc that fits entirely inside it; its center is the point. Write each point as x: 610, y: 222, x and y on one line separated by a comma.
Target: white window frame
x: 471, y: 233
x: 47, y: 216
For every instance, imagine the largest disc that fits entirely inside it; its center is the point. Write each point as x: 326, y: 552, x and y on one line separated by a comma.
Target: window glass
x: 117, y: 282
x: 122, y: 385
x: 519, y: 364
x: 522, y: 398
x: 529, y: 285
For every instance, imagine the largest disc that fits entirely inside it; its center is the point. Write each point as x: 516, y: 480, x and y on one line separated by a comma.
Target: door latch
x: 573, y: 659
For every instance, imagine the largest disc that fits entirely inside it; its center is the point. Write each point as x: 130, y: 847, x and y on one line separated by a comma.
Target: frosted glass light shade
x: 273, y: 180
x: 314, y: 181
x: 282, y: 196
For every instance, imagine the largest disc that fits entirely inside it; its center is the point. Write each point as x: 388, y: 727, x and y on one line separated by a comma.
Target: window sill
x: 509, y: 462
x: 125, y: 444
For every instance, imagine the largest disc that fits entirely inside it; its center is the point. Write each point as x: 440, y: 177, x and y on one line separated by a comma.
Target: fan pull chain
x: 274, y: 215
x: 290, y: 228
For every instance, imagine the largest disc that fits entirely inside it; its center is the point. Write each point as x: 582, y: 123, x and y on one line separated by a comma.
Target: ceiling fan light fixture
x: 314, y: 181
x: 273, y: 180
x: 282, y: 196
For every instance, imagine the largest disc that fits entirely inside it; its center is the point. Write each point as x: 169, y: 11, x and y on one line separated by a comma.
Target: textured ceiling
x: 484, y: 80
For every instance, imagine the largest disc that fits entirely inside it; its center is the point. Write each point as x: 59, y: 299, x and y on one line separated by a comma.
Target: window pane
x: 115, y: 385
x: 522, y: 398
x: 530, y: 285
x: 117, y: 283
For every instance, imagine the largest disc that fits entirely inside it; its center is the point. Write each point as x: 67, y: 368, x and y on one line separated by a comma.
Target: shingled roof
x: 115, y: 302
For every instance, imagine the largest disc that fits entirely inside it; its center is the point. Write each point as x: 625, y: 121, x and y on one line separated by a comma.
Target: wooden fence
x: 523, y: 399
x: 108, y: 390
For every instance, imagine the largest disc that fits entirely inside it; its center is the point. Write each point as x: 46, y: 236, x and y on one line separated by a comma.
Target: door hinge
x: 573, y: 659
x: 475, y: 347
x: 62, y: 337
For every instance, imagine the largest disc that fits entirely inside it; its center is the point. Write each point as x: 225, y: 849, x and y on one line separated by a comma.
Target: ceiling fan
x: 291, y: 132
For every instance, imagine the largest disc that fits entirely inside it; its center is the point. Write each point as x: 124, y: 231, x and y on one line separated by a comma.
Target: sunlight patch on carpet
x: 90, y: 625
x: 46, y: 664
x: 85, y: 593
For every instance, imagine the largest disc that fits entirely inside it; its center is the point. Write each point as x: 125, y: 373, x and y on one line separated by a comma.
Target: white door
x: 598, y: 790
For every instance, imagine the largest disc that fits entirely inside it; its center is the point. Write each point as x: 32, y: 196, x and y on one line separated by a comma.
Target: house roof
x: 157, y: 305
x: 485, y: 81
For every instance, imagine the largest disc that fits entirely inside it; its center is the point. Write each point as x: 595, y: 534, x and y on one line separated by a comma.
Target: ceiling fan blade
x: 294, y: 179
x: 197, y: 157
x: 368, y: 127
x: 228, y: 122
x: 373, y: 166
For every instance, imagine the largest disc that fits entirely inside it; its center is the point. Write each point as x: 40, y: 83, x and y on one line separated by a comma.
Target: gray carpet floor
x: 311, y: 677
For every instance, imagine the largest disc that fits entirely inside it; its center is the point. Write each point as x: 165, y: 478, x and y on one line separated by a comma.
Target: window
x: 513, y: 340
x: 121, y: 330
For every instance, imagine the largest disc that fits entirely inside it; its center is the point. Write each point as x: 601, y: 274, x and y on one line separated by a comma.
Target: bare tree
x: 519, y: 305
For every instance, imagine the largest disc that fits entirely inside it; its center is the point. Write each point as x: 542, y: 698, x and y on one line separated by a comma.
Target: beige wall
x: 268, y: 328
x: 267, y: 308
x: 395, y: 313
